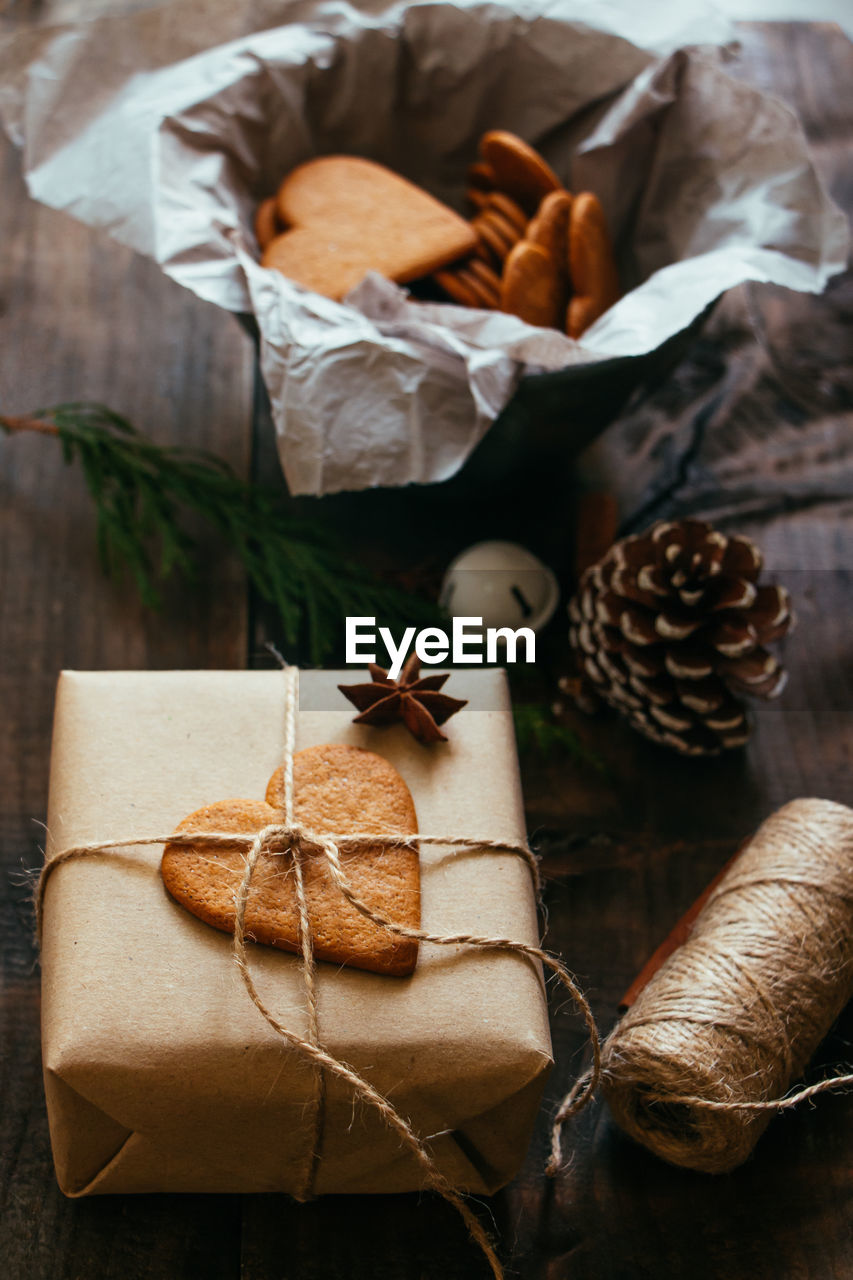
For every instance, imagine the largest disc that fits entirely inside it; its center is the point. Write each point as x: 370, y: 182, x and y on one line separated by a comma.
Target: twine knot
x: 279, y: 838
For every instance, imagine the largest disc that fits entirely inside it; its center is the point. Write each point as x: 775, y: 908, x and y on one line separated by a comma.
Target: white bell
x: 502, y: 583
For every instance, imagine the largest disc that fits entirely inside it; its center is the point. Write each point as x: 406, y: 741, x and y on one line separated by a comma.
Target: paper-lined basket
x: 167, y: 127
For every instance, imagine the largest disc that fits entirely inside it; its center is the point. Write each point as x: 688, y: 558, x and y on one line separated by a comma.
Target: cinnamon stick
x: 678, y: 935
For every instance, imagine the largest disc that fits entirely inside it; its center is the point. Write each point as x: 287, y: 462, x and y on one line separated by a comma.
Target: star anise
x: 415, y: 701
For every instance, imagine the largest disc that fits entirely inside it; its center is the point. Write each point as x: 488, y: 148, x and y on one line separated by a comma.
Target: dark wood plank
x: 358, y: 1238
x: 81, y: 318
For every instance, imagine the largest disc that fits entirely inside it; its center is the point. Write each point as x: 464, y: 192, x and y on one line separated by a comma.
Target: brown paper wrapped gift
x: 160, y: 1074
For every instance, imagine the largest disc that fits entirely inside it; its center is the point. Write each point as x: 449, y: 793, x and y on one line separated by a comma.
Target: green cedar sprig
x: 141, y: 491
x: 536, y: 731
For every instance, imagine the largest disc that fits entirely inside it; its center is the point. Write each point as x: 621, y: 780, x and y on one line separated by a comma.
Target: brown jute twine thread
x: 705, y: 1056
x: 287, y: 837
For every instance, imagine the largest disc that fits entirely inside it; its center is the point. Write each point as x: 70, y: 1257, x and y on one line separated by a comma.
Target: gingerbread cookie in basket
x: 550, y: 250
x: 335, y: 218
x: 531, y: 248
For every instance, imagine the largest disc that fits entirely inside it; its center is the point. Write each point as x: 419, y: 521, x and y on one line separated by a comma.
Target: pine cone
x: 670, y: 627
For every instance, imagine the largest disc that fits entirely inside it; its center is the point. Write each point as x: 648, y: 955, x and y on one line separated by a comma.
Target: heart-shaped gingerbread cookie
x: 347, y: 216
x: 337, y: 789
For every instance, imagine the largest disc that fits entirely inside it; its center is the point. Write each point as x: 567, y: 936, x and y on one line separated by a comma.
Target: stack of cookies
x: 542, y: 254
x: 531, y: 249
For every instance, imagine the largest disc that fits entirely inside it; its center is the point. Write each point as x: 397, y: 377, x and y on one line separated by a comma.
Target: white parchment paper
x: 165, y: 127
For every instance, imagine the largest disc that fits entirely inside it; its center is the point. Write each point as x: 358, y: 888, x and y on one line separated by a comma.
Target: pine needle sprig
x: 538, y: 732
x: 142, y: 491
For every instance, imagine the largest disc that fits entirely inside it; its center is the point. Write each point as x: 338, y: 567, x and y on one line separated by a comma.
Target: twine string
x: 297, y: 847
x: 360, y: 1087
x: 579, y: 1100
x: 306, y: 946
x: 832, y: 1084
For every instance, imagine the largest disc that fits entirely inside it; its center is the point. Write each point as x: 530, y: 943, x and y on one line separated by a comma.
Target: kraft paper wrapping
x: 160, y: 1074
x: 166, y: 126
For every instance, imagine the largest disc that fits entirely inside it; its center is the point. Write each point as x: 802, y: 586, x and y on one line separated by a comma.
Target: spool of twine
x: 702, y: 1060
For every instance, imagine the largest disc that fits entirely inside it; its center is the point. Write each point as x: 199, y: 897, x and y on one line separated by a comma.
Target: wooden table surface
x: 754, y: 429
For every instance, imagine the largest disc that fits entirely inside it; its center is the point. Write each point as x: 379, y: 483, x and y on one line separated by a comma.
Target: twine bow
x: 289, y: 838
